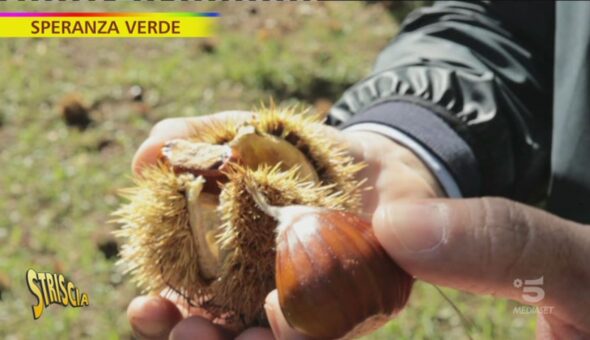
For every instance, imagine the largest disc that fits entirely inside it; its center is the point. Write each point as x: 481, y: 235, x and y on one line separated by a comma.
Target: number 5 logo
x: 531, y: 292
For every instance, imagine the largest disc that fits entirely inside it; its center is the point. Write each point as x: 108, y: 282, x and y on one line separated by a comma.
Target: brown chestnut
x: 333, y: 277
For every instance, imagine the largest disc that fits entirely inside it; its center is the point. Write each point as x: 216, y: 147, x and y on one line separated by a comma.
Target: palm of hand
x: 392, y: 173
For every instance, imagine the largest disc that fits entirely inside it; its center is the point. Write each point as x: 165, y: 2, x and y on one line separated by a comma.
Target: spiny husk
x: 155, y: 224
x: 160, y: 248
x: 249, y: 268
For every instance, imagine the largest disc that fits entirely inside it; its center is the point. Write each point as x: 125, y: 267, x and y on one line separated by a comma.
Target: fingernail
x: 274, y: 326
x: 150, y: 329
x: 419, y: 227
x: 152, y: 317
x: 149, y: 332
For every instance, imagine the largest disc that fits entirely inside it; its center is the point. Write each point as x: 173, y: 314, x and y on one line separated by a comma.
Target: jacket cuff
x: 442, y: 174
x: 431, y: 133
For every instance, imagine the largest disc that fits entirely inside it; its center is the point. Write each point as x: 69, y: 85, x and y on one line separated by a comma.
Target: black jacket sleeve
x: 484, y: 69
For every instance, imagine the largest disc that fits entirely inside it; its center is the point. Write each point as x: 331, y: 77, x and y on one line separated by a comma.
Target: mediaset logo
x: 53, y: 288
x: 532, y: 292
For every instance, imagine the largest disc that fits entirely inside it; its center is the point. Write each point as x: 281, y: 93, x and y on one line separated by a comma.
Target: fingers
x: 156, y: 317
x: 551, y: 328
x: 185, y: 308
x: 165, y: 130
x: 196, y: 327
x: 152, y: 317
x: 279, y: 325
x: 172, y: 128
x: 484, y: 245
x: 256, y: 333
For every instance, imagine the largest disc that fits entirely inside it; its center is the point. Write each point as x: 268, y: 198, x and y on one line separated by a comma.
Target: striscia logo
x: 50, y: 288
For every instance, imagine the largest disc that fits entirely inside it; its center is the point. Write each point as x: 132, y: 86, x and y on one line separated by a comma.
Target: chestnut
x: 333, y: 277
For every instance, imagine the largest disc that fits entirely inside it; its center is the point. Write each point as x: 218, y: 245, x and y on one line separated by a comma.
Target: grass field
x: 58, y: 183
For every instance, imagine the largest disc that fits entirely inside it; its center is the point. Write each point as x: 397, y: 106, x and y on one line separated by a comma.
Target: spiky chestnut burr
x: 190, y: 224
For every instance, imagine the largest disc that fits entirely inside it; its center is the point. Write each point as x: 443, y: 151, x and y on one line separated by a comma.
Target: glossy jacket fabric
x: 510, y: 80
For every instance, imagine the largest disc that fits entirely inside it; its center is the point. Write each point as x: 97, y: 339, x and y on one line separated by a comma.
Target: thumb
x: 484, y: 245
x: 278, y: 323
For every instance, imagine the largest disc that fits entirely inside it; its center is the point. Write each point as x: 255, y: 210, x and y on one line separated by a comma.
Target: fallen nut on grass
x: 192, y: 222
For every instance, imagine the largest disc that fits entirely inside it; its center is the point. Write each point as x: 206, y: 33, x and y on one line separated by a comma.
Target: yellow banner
x: 107, y: 25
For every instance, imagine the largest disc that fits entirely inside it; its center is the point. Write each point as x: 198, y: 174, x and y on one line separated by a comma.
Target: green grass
x: 58, y: 184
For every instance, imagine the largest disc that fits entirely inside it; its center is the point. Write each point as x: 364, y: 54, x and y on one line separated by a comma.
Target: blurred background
x: 73, y: 112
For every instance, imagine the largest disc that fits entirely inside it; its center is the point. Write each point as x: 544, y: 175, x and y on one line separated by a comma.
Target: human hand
x: 392, y: 171
x: 482, y: 246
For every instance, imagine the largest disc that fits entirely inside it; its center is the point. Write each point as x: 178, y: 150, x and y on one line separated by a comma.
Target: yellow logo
x: 51, y: 288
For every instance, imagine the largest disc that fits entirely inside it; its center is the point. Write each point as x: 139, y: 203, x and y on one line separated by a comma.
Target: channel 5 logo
x: 532, y: 290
